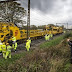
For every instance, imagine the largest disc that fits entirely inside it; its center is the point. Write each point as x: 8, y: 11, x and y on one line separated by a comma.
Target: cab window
x: 2, y: 36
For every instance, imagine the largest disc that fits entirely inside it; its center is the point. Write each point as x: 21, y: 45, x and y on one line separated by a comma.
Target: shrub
x: 67, y: 35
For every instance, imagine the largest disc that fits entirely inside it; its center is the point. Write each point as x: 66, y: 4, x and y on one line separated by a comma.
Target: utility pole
x: 28, y: 20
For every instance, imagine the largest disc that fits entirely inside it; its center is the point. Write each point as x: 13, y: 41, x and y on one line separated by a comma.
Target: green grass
x: 66, y: 67
x: 4, y: 63
x: 50, y: 55
x: 52, y: 42
x: 15, y: 57
x: 56, y: 40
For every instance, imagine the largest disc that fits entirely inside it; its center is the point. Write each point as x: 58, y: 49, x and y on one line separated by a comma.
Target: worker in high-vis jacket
x: 4, y: 49
x: 0, y: 47
x: 27, y: 45
x: 64, y: 31
x: 51, y: 36
x: 14, y: 45
x: 46, y: 37
x: 8, y: 52
x: 13, y: 38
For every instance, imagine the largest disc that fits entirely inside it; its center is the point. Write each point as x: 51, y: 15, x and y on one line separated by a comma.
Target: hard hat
x: 46, y: 35
x: 29, y: 37
x: 7, y: 44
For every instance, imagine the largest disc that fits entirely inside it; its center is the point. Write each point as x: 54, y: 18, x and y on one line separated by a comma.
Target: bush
x: 67, y: 35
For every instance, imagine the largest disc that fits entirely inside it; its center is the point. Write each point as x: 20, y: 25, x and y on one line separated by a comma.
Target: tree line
x: 34, y: 27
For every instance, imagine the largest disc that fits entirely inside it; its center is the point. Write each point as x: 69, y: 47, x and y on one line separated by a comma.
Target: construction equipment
x: 7, y: 30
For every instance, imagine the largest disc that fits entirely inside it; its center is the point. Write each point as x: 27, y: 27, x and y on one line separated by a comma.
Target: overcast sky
x: 49, y: 11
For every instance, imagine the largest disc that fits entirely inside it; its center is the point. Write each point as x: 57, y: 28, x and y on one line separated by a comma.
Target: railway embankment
x: 52, y: 56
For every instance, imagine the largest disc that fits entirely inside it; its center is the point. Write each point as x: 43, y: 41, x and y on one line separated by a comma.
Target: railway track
x: 34, y: 45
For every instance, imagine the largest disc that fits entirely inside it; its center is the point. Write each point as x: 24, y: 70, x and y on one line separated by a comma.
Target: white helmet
x: 46, y: 34
x: 29, y: 37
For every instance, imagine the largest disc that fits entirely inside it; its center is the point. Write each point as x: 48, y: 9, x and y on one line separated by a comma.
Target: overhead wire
x: 38, y: 20
x: 39, y: 15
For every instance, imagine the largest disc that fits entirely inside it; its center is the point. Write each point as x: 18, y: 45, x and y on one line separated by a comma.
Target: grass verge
x: 52, y: 42
x: 52, y: 57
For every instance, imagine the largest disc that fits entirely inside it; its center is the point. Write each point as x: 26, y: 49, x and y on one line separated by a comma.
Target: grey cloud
x: 42, y: 5
x: 63, y: 0
x: 47, y: 6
